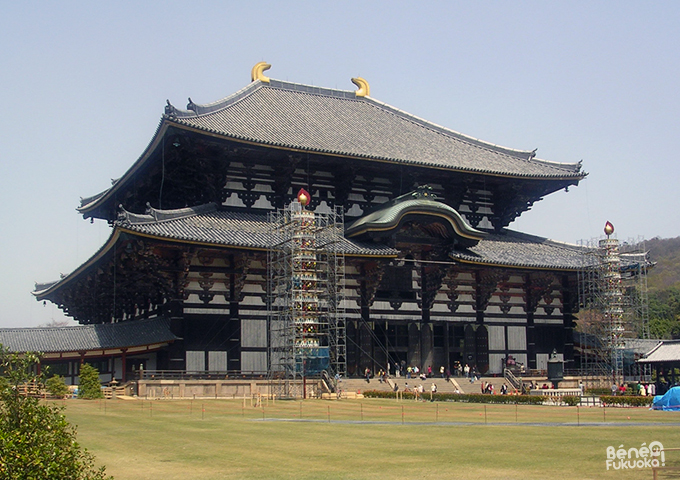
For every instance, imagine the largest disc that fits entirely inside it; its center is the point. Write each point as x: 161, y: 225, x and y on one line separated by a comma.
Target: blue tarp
x: 668, y: 401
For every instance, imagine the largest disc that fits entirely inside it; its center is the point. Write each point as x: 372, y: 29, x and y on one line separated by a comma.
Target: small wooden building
x: 117, y: 351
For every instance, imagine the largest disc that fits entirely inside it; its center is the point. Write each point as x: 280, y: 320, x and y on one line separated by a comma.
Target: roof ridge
x: 157, y: 215
x: 196, y: 109
x: 88, y: 326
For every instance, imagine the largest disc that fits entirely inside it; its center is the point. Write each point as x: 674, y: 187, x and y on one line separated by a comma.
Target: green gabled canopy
x: 436, y: 217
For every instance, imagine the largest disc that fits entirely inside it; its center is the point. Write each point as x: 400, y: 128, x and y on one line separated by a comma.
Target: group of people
x: 419, y: 390
x: 409, y: 371
x: 489, y: 389
x: 642, y: 389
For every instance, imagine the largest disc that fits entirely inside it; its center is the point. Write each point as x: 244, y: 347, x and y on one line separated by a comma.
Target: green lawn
x: 362, y: 439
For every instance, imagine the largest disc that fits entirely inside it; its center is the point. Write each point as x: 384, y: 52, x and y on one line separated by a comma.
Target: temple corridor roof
x: 87, y: 337
x: 667, y: 351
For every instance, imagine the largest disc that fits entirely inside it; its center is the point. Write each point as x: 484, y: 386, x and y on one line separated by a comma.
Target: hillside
x: 664, y: 287
x: 665, y: 252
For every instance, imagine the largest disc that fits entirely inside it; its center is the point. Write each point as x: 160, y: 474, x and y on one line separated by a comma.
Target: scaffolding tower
x: 613, y: 305
x: 306, y: 285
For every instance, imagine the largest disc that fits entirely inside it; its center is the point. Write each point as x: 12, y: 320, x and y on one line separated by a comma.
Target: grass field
x: 363, y: 439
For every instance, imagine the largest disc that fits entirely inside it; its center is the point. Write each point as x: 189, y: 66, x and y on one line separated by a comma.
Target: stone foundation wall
x: 201, y: 388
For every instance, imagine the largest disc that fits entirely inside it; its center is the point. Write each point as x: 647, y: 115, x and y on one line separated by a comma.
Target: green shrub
x: 56, y: 386
x: 461, y: 397
x: 571, y: 400
x: 626, y: 401
x: 36, y: 441
x: 596, y: 392
x: 88, y: 384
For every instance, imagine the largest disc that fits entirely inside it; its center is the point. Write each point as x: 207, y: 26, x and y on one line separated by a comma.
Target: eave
x: 97, y: 201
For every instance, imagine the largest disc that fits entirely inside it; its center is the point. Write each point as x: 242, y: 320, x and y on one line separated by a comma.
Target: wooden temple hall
x: 427, y: 270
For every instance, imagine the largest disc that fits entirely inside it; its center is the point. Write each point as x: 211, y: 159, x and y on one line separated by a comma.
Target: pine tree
x: 88, y: 383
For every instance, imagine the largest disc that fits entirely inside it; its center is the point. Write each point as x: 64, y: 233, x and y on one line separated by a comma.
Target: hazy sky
x: 83, y: 86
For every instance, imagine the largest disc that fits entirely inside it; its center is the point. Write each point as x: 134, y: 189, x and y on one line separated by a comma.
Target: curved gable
x: 435, y: 218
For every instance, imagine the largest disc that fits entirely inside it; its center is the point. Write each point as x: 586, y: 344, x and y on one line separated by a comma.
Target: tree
x: 56, y: 386
x: 88, y: 383
x: 56, y: 323
x: 664, y: 313
x: 36, y: 441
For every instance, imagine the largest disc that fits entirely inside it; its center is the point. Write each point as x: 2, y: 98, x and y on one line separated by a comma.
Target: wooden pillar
x: 175, y: 310
x: 427, y: 347
x: 531, y: 332
x: 569, y: 303
x: 425, y: 315
x: 447, y: 347
x: 236, y: 282
x: 123, y: 361
x: 366, y: 346
x: 479, y: 299
x: 365, y: 340
x: 371, y: 274
x: 414, y: 344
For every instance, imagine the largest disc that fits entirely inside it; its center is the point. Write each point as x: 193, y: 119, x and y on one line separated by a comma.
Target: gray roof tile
x: 665, y: 351
x: 88, y: 337
x: 208, y: 224
x: 321, y: 120
x: 517, y: 249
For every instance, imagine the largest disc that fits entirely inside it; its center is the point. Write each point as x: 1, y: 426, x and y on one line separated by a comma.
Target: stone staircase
x: 355, y: 387
x: 359, y: 385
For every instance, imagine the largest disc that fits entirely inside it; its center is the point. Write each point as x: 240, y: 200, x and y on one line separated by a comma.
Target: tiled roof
x: 88, y: 337
x: 314, y: 119
x: 517, y: 249
x: 640, y: 346
x: 665, y: 351
x: 336, y: 122
x: 210, y: 225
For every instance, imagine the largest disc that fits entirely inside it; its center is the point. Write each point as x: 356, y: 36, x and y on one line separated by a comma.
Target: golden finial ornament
x: 303, y: 197
x: 257, y: 72
x: 364, y: 90
x: 608, y: 228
